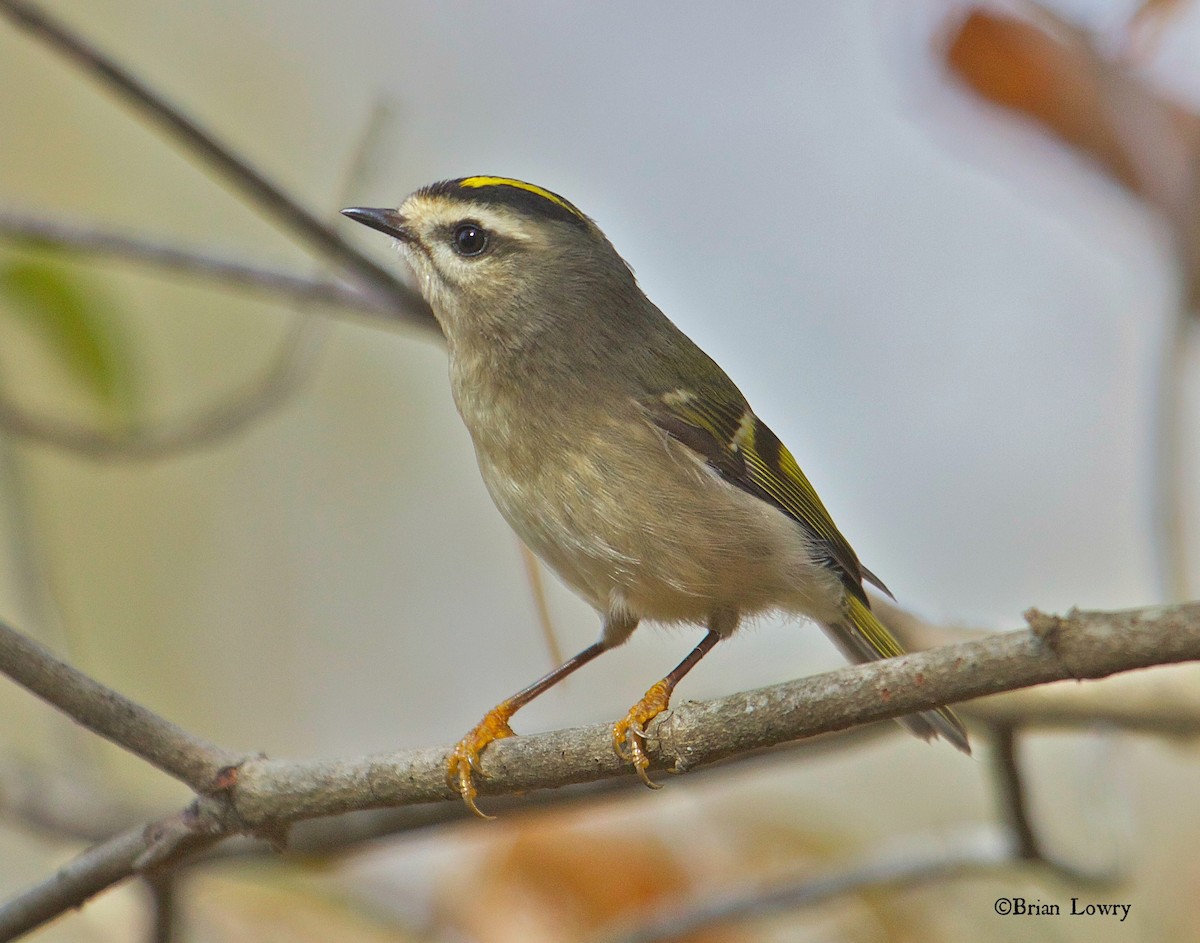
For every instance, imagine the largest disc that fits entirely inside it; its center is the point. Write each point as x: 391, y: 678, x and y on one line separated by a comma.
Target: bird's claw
x: 463, y: 761
x: 629, y: 734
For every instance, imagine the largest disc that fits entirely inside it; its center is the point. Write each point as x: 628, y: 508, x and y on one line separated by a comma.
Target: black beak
x: 385, y: 220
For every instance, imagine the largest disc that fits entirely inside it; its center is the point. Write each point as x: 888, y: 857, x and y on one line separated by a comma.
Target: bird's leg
x: 629, y: 735
x: 463, y: 761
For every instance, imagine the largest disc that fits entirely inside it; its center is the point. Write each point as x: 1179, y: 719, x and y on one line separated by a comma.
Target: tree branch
x: 65, y: 808
x: 1078, y: 646
x: 97, y: 869
x: 263, y: 796
x: 109, y: 714
x: 1163, y: 703
x: 85, y: 240
x: 251, y: 182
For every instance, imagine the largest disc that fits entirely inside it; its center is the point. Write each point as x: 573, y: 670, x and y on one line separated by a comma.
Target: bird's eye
x: 470, y: 239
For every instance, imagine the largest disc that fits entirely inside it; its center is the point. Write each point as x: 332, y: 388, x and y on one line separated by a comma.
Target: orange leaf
x: 1059, y: 82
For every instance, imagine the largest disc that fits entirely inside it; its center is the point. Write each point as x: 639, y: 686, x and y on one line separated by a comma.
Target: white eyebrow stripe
x: 446, y: 212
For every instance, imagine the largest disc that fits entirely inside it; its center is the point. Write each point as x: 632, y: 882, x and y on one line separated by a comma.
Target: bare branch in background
x: 62, y: 805
x: 1170, y: 487
x: 912, y: 861
x: 164, y: 896
x: 264, y: 797
x: 537, y: 589
x: 383, y: 295
x: 224, y: 271
x: 1055, y: 74
x: 80, y: 879
x: 233, y: 412
x: 296, y: 220
x: 1011, y: 789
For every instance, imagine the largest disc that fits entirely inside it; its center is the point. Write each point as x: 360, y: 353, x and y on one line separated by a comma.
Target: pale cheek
x: 428, y: 285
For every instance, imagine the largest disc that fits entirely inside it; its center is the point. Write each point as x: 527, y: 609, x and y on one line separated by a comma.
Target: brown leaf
x: 1057, y: 81
x: 1052, y: 73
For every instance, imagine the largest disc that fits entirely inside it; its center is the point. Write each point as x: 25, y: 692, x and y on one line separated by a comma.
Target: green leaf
x: 78, y: 324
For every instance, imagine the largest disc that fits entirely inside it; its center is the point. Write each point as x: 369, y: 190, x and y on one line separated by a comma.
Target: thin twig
x: 537, y: 589
x: 63, y: 805
x: 912, y: 861
x: 87, y: 240
x: 215, y: 421
x: 1011, y: 793
x: 251, y: 182
x: 83, y: 877
x: 211, y: 423
x: 109, y: 714
x: 164, y: 898
x: 902, y: 863
x: 1169, y: 511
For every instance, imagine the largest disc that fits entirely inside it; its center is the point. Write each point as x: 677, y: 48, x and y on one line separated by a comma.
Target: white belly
x: 651, y: 531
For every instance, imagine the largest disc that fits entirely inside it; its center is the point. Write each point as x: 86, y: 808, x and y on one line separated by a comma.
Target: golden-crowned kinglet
x: 619, y: 451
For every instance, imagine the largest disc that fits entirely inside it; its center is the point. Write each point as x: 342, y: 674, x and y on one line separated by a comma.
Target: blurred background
x: 945, y: 250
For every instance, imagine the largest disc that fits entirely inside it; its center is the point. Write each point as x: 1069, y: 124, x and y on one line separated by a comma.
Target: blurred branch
x: 236, y: 170
x: 213, y: 422
x: 109, y: 714
x: 165, y: 899
x: 61, y: 805
x: 914, y: 860
x: 1011, y: 788
x: 1055, y: 74
x: 911, y: 862
x: 264, y: 797
x: 97, y: 869
x: 85, y: 240
x: 1169, y: 486
x: 537, y: 589
x: 382, y: 293
x: 233, y: 412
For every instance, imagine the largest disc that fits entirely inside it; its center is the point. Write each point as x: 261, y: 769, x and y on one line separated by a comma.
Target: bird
x: 621, y: 454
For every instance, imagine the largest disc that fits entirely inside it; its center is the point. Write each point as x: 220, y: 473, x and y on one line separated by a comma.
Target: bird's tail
x: 862, y: 638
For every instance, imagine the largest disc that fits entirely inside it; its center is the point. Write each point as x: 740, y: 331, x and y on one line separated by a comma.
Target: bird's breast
x: 626, y: 516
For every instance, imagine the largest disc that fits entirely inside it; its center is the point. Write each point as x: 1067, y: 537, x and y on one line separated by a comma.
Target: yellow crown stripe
x: 522, y: 185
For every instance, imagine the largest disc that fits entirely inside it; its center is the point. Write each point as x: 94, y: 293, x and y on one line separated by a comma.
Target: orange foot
x: 463, y: 762
x: 629, y: 735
